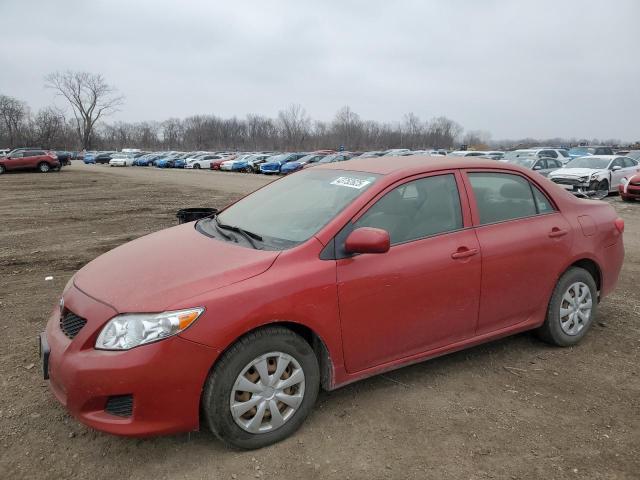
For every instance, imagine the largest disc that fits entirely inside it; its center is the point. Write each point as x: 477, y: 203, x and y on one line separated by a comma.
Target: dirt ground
x: 513, y: 409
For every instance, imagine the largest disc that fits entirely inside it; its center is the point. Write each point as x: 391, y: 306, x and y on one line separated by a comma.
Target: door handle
x: 557, y: 232
x: 464, y: 252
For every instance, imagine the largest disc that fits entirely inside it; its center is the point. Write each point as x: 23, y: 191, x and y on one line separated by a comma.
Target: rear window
x: 502, y: 196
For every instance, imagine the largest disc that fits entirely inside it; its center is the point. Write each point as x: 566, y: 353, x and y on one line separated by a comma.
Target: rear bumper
x: 165, y: 378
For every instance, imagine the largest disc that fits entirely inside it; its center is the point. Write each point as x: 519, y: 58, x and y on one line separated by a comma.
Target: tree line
x: 90, y: 99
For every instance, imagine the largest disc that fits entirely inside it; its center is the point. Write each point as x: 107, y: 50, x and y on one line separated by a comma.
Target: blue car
x: 179, y: 163
x: 296, y: 165
x: 90, y: 158
x: 275, y: 163
x: 165, y: 162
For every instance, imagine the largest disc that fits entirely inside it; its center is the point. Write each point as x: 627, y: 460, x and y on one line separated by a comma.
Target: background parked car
x: 599, y: 173
x: 305, y: 161
x: 529, y: 159
x: 629, y: 188
x: 275, y: 163
x: 122, y: 159
x: 576, y: 152
x: 29, y: 159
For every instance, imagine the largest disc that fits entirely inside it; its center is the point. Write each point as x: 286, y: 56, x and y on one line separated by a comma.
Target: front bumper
x: 165, y: 378
x: 629, y: 191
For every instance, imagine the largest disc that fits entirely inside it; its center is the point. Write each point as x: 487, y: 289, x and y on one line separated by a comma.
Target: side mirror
x: 368, y: 240
x: 616, y: 168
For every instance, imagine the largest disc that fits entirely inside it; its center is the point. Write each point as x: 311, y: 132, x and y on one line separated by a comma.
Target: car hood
x: 574, y: 172
x: 157, y: 271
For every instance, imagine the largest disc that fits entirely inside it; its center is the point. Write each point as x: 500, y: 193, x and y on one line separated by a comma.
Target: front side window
x: 502, y: 196
x: 417, y: 209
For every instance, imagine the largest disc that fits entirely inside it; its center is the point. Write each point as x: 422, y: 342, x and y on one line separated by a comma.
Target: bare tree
x: 90, y: 98
x: 294, y: 125
x: 48, y: 127
x: 13, y: 113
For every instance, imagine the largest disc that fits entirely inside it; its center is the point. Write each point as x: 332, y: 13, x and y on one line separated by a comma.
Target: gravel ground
x: 514, y: 408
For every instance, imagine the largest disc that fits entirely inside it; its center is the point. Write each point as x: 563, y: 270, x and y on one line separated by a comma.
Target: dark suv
x: 29, y: 159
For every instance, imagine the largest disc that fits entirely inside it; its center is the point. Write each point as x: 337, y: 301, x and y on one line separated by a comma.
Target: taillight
x: 619, y: 223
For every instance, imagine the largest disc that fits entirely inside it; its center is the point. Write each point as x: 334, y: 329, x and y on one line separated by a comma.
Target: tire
x: 43, y: 167
x: 248, y: 169
x: 196, y: 165
x: 602, y: 189
x: 623, y: 197
x: 236, y: 363
x: 557, y: 328
x: 2, y: 169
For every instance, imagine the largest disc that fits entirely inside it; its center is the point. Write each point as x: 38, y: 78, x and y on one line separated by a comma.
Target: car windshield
x: 330, y: 158
x: 290, y: 210
x: 309, y: 158
x: 588, y: 162
x: 635, y: 154
x: 278, y: 158
x: 581, y: 151
x: 525, y: 160
x: 509, y: 156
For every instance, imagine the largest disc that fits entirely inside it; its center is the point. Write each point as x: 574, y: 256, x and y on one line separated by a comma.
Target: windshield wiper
x: 250, y: 236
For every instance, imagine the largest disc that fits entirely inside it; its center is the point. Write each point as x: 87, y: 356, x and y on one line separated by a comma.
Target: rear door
x: 525, y: 241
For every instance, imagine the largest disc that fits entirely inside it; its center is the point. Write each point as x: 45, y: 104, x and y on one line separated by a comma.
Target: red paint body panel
x: 632, y: 189
x: 165, y: 378
x: 373, y: 312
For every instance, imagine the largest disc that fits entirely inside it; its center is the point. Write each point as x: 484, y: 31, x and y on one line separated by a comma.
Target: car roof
x: 413, y: 164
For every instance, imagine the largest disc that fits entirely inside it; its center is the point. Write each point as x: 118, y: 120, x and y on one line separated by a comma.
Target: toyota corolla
x: 319, y: 279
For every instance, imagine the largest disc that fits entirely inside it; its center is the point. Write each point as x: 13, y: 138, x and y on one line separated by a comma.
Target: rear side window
x: 502, y: 196
x: 543, y: 204
x: 417, y: 209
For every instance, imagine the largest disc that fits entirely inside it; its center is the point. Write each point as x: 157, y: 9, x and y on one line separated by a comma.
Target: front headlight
x: 130, y: 330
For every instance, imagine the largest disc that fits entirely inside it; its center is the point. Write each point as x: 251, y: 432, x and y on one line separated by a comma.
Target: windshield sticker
x: 351, y: 182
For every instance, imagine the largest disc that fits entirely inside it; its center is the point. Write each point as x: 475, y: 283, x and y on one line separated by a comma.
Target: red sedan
x: 630, y: 189
x: 319, y: 279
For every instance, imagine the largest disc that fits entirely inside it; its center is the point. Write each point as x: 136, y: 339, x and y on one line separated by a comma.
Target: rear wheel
x: 572, y: 308
x: 262, y: 389
x: 44, y: 167
x: 2, y: 169
x: 248, y: 169
x: 196, y: 165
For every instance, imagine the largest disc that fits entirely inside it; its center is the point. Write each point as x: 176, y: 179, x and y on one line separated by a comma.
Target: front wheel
x: 572, y: 308
x: 2, y: 169
x: 262, y: 389
x: 601, y: 189
x: 197, y: 166
x: 44, y: 167
x: 248, y: 169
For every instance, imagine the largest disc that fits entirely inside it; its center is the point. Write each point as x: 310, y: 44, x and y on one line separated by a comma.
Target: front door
x: 424, y: 292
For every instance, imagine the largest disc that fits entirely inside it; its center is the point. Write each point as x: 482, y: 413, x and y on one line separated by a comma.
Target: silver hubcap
x: 267, y: 392
x: 575, y: 309
x: 44, y: 167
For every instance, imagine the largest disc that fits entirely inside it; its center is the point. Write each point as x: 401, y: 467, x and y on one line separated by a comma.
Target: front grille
x: 71, y: 324
x: 567, y: 181
x: 120, y: 405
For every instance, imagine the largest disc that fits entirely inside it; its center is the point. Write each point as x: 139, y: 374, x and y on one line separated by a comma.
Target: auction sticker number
x: 351, y: 182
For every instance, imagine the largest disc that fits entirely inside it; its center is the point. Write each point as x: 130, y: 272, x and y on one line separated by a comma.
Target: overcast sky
x: 514, y: 68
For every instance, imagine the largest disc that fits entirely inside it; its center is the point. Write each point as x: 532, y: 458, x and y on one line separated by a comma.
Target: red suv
x: 324, y: 277
x: 29, y: 159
